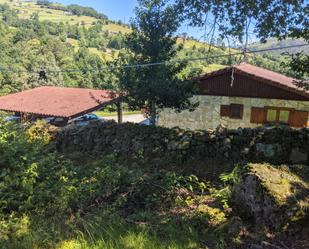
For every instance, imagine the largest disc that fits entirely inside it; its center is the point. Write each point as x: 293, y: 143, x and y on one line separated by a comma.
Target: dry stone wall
x: 163, y: 145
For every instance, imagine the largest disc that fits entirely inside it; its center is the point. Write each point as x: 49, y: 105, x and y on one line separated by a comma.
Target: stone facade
x: 207, y: 114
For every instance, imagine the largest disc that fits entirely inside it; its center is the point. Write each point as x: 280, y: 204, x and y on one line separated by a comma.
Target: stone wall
x: 207, y: 115
x: 163, y: 146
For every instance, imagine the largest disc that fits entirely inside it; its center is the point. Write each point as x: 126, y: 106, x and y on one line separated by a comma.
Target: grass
x: 105, y: 56
x: 111, y: 114
x: 188, y: 44
x: 45, y: 14
x: 125, y: 236
x: 116, y: 28
x: 212, y: 67
x: 103, y: 233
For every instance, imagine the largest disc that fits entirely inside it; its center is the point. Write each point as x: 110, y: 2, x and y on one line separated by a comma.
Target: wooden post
x: 119, y: 111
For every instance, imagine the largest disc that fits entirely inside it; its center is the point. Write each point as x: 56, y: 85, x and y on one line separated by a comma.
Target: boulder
x: 273, y: 196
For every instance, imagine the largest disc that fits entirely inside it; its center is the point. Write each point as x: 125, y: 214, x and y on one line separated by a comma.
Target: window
x: 284, y: 116
x: 234, y: 111
x: 279, y: 115
x: 271, y: 115
x: 237, y: 111
x: 261, y: 115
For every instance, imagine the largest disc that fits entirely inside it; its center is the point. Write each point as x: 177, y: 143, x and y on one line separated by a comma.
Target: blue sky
x: 123, y: 10
x: 114, y: 9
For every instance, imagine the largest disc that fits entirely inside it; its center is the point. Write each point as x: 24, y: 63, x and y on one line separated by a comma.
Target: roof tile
x: 56, y: 101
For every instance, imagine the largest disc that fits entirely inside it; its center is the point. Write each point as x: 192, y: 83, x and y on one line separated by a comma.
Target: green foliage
x: 152, y: 41
x: 51, y: 200
x: 235, y: 18
x: 229, y: 181
x: 29, y: 45
x: 232, y: 17
x: 41, y: 132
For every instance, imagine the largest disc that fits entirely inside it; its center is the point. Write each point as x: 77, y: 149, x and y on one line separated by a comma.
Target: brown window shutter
x: 225, y: 111
x: 258, y: 115
x: 298, y: 119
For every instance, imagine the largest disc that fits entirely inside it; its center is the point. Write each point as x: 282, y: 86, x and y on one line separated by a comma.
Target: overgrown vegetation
x: 53, y: 200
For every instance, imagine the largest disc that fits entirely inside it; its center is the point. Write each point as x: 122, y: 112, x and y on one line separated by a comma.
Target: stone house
x: 242, y: 96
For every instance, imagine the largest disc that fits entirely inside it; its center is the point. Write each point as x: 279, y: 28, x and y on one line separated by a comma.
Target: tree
x: 152, y: 41
x: 266, y: 18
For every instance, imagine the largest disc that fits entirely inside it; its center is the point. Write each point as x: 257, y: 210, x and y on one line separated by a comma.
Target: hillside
x: 78, y: 42
x: 274, y: 43
x: 27, y: 8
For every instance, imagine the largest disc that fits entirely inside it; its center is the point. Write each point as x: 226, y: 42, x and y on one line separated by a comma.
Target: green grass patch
x: 111, y: 114
x: 117, y: 28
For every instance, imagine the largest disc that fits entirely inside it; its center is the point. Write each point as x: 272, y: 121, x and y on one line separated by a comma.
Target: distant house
x: 243, y: 96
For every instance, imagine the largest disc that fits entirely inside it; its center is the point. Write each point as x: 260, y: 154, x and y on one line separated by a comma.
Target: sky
x: 114, y: 9
x: 124, y: 10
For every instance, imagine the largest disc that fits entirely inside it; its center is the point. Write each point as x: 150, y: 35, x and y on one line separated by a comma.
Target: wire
x: 155, y: 63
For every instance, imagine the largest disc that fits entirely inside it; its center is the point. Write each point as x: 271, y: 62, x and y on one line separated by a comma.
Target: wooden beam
x: 119, y: 111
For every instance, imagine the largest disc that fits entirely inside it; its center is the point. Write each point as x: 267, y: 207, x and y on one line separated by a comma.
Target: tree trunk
x: 153, y: 113
x: 119, y: 112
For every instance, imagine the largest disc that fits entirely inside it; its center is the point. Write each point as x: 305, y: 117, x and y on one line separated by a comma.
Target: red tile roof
x: 56, y: 101
x: 268, y: 76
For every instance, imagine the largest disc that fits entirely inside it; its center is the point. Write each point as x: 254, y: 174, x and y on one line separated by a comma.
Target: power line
x: 155, y: 63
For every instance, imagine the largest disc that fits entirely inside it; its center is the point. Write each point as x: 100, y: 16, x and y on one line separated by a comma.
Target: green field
x: 112, y: 114
x: 26, y: 9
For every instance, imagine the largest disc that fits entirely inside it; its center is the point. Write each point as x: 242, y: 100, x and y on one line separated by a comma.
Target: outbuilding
x: 60, y: 102
x: 243, y: 96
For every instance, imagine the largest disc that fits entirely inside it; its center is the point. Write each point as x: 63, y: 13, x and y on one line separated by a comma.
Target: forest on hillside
x: 80, y: 55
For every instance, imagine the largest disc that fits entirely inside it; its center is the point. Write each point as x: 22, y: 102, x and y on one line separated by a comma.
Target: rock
x: 173, y: 145
x: 227, y: 142
x: 267, y: 150
x: 272, y: 196
x: 297, y: 156
x: 259, y: 144
x: 184, y: 145
x: 245, y: 151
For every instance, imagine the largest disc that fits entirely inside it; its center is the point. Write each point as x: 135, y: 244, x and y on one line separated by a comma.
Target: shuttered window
x: 225, y: 111
x: 234, y: 111
x: 258, y: 115
x: 289, y: 116
x: 299, y: 119
x: 278, y: 115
